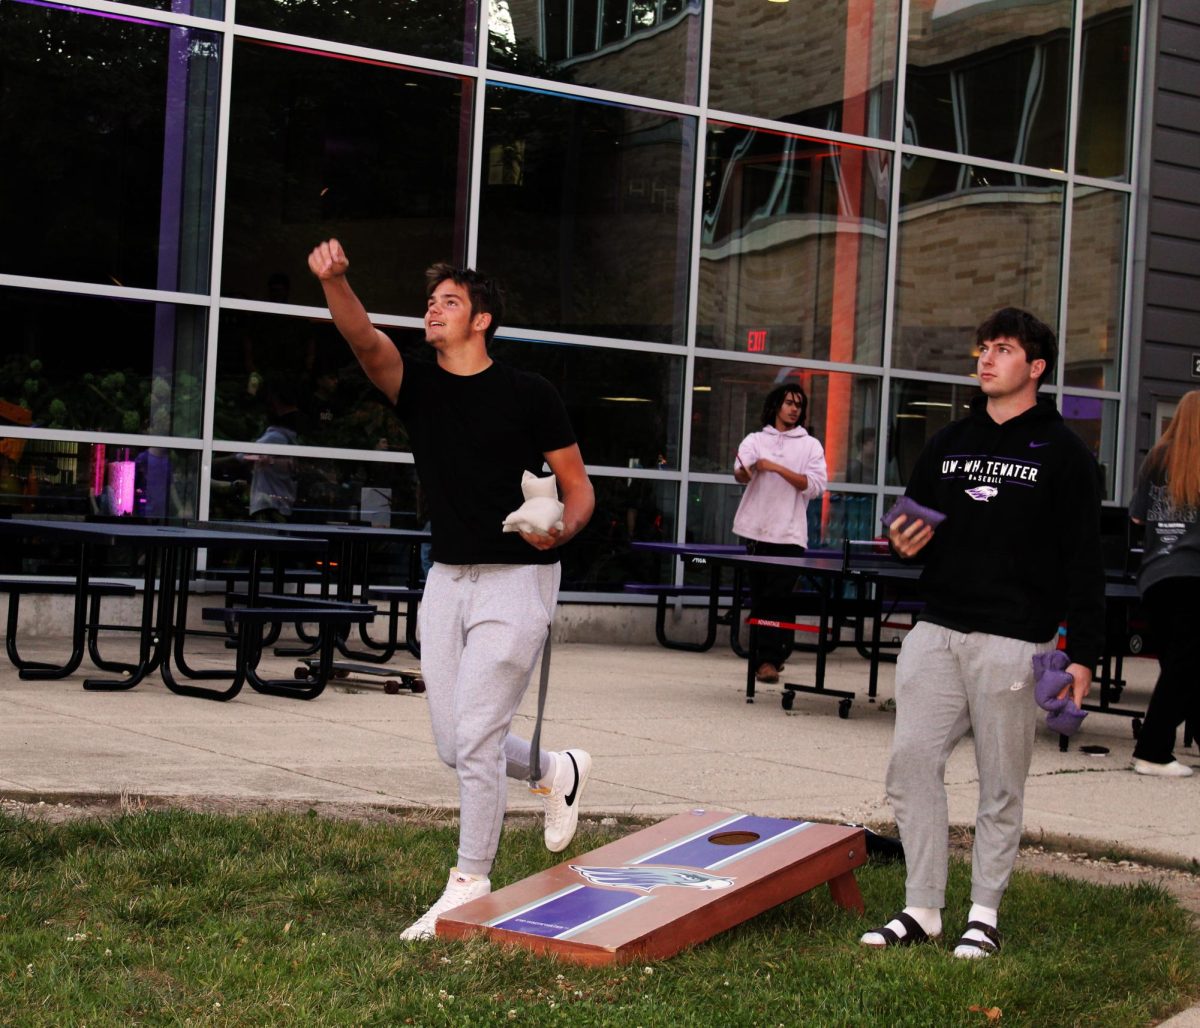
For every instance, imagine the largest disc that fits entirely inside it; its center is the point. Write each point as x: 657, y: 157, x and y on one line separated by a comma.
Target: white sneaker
x: 561, y: 798
x: 1172, y: 769
x: 460, y: 889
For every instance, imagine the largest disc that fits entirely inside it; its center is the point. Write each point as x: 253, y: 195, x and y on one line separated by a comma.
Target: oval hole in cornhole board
x: 733, y: 838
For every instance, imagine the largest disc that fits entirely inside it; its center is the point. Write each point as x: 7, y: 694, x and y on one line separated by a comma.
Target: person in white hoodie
x: 783, y: 467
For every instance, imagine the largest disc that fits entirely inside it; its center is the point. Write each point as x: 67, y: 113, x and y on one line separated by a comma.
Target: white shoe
x: 460, y: 889
x: 561, y: 798
x: 1172, y: 769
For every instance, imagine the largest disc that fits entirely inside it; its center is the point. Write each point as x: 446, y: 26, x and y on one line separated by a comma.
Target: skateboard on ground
x: 395, y: 678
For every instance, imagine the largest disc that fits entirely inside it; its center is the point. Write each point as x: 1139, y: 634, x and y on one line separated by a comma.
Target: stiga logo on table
x: 644, y: 878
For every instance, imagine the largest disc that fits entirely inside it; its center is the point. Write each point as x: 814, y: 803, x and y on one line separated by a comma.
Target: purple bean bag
x: 1049, y: 670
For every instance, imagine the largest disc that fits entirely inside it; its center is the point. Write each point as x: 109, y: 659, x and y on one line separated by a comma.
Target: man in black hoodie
x: 1019, y: 551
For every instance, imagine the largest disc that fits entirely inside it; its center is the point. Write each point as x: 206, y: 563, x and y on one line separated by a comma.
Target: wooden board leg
x: 845, y: 892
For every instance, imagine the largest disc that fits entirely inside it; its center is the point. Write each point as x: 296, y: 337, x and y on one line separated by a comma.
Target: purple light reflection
x: 98, y: 14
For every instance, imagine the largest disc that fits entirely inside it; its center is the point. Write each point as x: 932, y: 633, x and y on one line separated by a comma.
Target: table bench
x: 663, y: 593
x: 61, y: 586
x: 329, y: 615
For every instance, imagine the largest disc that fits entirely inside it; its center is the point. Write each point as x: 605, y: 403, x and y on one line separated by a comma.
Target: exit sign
x: 756, y: 340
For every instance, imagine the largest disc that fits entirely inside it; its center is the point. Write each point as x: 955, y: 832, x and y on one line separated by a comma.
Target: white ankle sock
x: 987, y: 915
x: 549, y: 771
x: 929, y: 918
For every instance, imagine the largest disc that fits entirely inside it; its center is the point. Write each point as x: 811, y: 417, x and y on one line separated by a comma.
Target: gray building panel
x: 1170, y: 316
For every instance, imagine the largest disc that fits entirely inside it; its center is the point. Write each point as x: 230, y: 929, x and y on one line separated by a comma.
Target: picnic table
x: 348, y: 550
x: 167, y: 554
x: 666, y: 591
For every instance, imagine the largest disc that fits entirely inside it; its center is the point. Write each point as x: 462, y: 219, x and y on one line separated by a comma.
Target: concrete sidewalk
x: 669, y: 731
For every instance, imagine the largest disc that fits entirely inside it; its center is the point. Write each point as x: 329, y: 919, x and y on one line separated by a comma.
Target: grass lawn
x: 183, y: 918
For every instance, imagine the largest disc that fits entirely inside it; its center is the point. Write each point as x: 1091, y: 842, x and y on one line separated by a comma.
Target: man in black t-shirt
x: 476, y: 426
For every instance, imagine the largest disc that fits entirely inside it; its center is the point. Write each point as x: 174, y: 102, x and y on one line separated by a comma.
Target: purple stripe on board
x: 568, y: 912
x: 702, y: 853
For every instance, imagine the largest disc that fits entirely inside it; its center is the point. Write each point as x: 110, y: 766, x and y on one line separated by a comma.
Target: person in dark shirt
x: 476, y: 426
x: 1167, y: 502
x: 1019, y: 551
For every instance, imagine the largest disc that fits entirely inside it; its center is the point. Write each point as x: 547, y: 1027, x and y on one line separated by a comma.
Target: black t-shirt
x: 473, y: 437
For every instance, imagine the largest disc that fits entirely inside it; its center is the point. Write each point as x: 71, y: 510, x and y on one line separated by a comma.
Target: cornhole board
x: 670, y: 886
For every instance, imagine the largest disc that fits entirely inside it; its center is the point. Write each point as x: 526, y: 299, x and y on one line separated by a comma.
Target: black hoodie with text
x: 1019, y: 550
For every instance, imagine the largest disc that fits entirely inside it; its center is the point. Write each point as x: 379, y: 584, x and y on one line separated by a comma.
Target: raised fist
x: 328, y: 260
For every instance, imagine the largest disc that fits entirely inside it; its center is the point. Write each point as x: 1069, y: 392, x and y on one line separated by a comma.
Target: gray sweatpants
x: 482, y: 628
x: 949, y: 683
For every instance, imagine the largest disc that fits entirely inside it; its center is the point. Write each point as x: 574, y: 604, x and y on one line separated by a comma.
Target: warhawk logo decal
x: 645, y: 877
x: 982, y: 493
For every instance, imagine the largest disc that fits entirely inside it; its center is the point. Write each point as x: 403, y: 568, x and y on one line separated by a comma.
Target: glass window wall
x: 1094, y: 299
x: 628, y: 510
x: 108, y: 127
x: 1095, y: 422
x: 40, y: 477
x: 918, y: 410
x: 300, y: 369
x: 830, y: 65
x: 441, y: 29
x: 644, y: 47
x: 971, y: 240
x: 321, y: 145
x: 624, y: 404
x: 101, y: 364
x: 562, y: 161
x: 314, y: 490
x: 586, y: 214
x: 1105, y: 120
x: 990, y: 79
x: 793, y: 258
x: 727, y: 405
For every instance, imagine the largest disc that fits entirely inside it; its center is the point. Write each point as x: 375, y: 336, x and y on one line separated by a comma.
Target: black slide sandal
x: 913, y: 935
x: 989, y: 945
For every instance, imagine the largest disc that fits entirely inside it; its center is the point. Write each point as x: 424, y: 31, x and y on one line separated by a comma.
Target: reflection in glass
x: 323, y: 490
x: 270, y: 366
x: 971, y: 240
x: 919, y: 410
x: 1095, y: 422
x: 39, y: 477
x: 727, y: 402
x: 830, y: 65
x: 196, y: 8
x: 101, y: 365
x: 585, y: 214
x: 1094, y: 299
x: 794, y: 251
x: 108, y: 129
x: 600, y: 559
x: 990, y: 79
x: 624, y: 405
x: 1105, y: 118
x: 832, y: 518
x: 642, y: 47
x: 426, y: 28
x: 373, y: 155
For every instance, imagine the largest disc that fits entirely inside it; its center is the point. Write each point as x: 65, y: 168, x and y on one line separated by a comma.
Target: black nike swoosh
x: 574, y: 788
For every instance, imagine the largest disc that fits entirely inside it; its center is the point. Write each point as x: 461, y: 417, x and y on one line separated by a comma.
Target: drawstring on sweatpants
x: 470, y: 571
